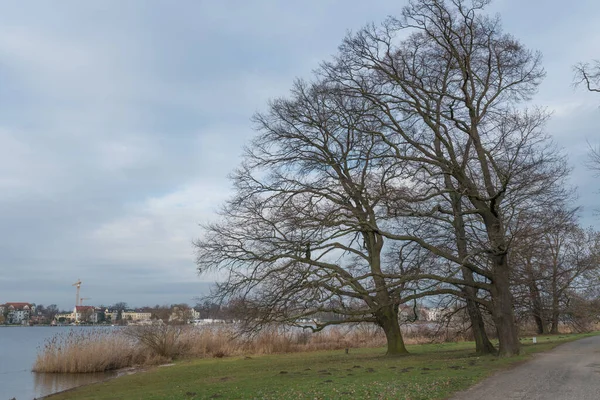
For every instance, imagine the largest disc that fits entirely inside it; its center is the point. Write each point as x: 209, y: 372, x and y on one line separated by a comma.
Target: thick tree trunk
x: 555, y: 296
x: 387, y: 319
x: 502, y: 300
x: 503, y: 314
x: 541, y: 328
x: 539, y: 322
x: 387, y: 315
x: 555, y: 319
x: 483, y: 345
x: 536, y: 308
x: 482, y: 342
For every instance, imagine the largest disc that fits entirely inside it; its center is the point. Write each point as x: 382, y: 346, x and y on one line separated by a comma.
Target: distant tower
x: 78, y: 286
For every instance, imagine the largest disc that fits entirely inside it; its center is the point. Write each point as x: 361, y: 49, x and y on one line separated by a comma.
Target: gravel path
x: 569, y: 372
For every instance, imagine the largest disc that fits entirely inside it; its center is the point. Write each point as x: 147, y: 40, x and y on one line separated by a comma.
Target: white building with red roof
x: 85, y: 314
x: 17, y: 312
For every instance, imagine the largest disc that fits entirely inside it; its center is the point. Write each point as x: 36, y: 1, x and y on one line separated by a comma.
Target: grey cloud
x: 119, y: 122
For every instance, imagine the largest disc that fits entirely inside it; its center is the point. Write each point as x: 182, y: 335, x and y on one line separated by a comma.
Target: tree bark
x: 387, y: 315
x: 555, y: 296
x: 502, y: 300
x: 536, y: 308
x: 482, y: 342
x: 387, y: 319
x: 483, y: 345
x: 503, y: 314
x: 555, y: 319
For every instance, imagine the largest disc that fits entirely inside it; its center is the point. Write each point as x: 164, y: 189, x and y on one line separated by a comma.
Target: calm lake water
x: 18, y: 349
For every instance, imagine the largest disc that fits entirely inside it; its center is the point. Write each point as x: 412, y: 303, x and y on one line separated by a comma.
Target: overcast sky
x: 120, y: 120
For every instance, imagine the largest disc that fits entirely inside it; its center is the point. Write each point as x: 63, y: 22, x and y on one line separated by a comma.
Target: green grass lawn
x: 432, y: 371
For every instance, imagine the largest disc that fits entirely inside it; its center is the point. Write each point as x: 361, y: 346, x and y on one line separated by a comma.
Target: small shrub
x: 219, y: 354
x: 160, y: 339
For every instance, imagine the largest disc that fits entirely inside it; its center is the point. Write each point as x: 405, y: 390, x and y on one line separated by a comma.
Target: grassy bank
x: 432, y: 371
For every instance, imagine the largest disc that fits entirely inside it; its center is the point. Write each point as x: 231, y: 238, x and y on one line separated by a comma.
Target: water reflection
x: 46, y: 384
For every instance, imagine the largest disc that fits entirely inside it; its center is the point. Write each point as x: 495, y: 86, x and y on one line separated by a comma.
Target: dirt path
x: 570, y: 372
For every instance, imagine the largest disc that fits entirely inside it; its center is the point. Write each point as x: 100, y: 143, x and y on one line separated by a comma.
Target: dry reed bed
x: 96, y: 350
x: 85, y: 351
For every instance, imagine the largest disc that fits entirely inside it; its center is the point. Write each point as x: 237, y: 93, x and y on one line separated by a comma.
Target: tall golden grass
x: 86, y: 351
x: 224, y: 341
x: 97, y: 350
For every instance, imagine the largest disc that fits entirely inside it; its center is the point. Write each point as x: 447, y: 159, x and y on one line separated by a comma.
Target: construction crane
x: 81, y: 299
x: 78, y: 286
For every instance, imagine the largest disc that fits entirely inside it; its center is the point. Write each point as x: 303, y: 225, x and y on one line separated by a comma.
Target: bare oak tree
x: 556, y: 261
x: 449, y: 97
x: 399, y: 173
x: 301, y: 235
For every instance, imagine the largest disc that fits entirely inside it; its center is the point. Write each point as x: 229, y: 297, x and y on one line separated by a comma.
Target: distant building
x: 63, y: 317
x: 110, y: 315
x: 208, y: 321
x: 411, y: 313
x: 129, y: 316
x: 136, y: 316
x: 85, y: 314
x: 435, y: 314
x: 181, y: 314
x: 17, y: 313
x: 408, y: 312
x: 80, y: 315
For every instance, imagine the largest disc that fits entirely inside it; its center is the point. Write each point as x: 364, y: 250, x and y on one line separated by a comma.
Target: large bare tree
x: 555, y: 259
x: 450, y: 98
x: 397, y: 174
x: 301, y: 235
